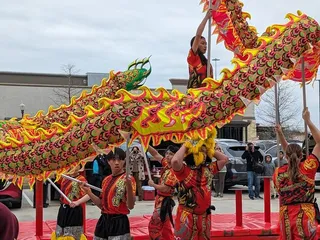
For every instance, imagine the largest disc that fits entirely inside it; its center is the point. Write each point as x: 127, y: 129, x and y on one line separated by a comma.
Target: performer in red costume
x: 70, y: 219
x: 116, y: 200
x: 295, y: 183
x: 194, y: 168
x: 197, y: 62
x: 160, y: 225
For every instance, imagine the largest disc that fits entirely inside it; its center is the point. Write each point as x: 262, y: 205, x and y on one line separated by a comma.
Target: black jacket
x: 250, y: 157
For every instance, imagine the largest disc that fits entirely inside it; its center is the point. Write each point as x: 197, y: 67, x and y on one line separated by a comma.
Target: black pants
x: 112, y: 225
x: 70, y: 217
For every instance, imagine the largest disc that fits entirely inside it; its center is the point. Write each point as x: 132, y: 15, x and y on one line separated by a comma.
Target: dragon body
x: 163, y: 115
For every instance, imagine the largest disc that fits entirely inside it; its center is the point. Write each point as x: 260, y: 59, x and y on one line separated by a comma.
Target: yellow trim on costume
x: 54, y: 237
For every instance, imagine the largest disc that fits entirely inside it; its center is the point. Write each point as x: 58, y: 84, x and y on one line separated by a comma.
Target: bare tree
x: 289, y: 107
x: 63, y: 95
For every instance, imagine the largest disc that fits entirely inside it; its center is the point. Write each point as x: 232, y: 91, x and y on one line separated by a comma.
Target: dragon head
x: 135, y: 75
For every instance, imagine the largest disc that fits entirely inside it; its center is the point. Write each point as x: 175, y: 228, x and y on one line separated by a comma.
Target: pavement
x: 223, y: 205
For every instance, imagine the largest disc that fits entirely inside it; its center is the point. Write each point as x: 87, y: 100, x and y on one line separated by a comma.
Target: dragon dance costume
x: 197, y: 70
x: 70, y: 220
x: 114, y: 222
x: 193, y: 219
x: 297, y: 211
x: 161, y: 220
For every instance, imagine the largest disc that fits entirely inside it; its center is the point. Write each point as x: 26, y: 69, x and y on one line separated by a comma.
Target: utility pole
x: 215, y: 67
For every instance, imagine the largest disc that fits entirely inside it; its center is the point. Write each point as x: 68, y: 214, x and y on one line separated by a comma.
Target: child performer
x: 70, y: 219
x: 116, y: 200
x: 161, y: 220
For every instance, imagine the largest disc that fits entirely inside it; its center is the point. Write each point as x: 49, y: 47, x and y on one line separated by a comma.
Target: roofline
x: 40, y: 74
x: 43, y: 85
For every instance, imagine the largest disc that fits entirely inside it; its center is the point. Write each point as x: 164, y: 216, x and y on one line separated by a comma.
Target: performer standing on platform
x: 117, y: 197
x: 70, y: 216
x: 193, y: 219
x: 161, y: 222
x: 296, y: 187
x: 197, y: 62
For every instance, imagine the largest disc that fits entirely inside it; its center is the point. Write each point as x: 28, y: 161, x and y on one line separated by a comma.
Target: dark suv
x: 10, y: 194
x: 236, y: 167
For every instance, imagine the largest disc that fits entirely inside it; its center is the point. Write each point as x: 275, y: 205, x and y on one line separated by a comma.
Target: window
x: 231, y: 133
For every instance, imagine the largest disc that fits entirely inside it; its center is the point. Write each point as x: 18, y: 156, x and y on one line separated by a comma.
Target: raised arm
x: 177, y: 159
x: 200, y: 29
x: 282, y: 138
x: 221, y: 159
x: 157, y: 156
x: 314, y: 131
x: 245, y: 153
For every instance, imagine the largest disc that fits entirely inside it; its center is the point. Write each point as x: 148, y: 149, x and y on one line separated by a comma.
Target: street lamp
x: 22, y: 107
x: 215, y: 67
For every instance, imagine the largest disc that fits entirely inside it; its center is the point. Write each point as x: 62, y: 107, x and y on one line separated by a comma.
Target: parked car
x: 237, y: 167
x: 273, y: 151
x: 227, y: 141
x: 265, y: 144
x: 10, y: 194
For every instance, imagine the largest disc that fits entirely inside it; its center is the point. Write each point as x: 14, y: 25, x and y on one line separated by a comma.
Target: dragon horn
x: 145, y: 61
x: 134, y: 63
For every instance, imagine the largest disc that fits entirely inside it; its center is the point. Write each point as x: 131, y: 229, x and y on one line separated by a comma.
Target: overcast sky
x: 97, y: 35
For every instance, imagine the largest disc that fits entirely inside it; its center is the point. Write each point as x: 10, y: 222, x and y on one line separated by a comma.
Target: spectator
x: 220, y: 177
x: 97, y: 172
x: 269, y: 169
x: 253, y: 157
x: 9, y: 225
x: 136, y: 160
x: 282, y: 161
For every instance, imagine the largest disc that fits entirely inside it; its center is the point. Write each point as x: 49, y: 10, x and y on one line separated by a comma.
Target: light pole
x: 215, y: 67
x: 22, y: 107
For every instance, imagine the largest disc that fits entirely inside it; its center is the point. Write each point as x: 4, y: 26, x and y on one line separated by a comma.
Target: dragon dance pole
x: 126, y: 136
x: 127, y: 158
x: 305, y: 105
x: 276, y: 100
x: 146, y: 162
x: 86, y: 184
x: 209, y: 41
x: 59, y: 191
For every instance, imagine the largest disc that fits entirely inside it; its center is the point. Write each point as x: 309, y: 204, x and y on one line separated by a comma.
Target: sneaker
x: 221, y: 194
x: 259, y: 197
x: 252, y: 198
x: 272, y: 196
x: 216, y: 195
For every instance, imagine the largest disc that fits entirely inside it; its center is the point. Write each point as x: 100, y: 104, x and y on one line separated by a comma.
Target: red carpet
x: 223, y: 227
